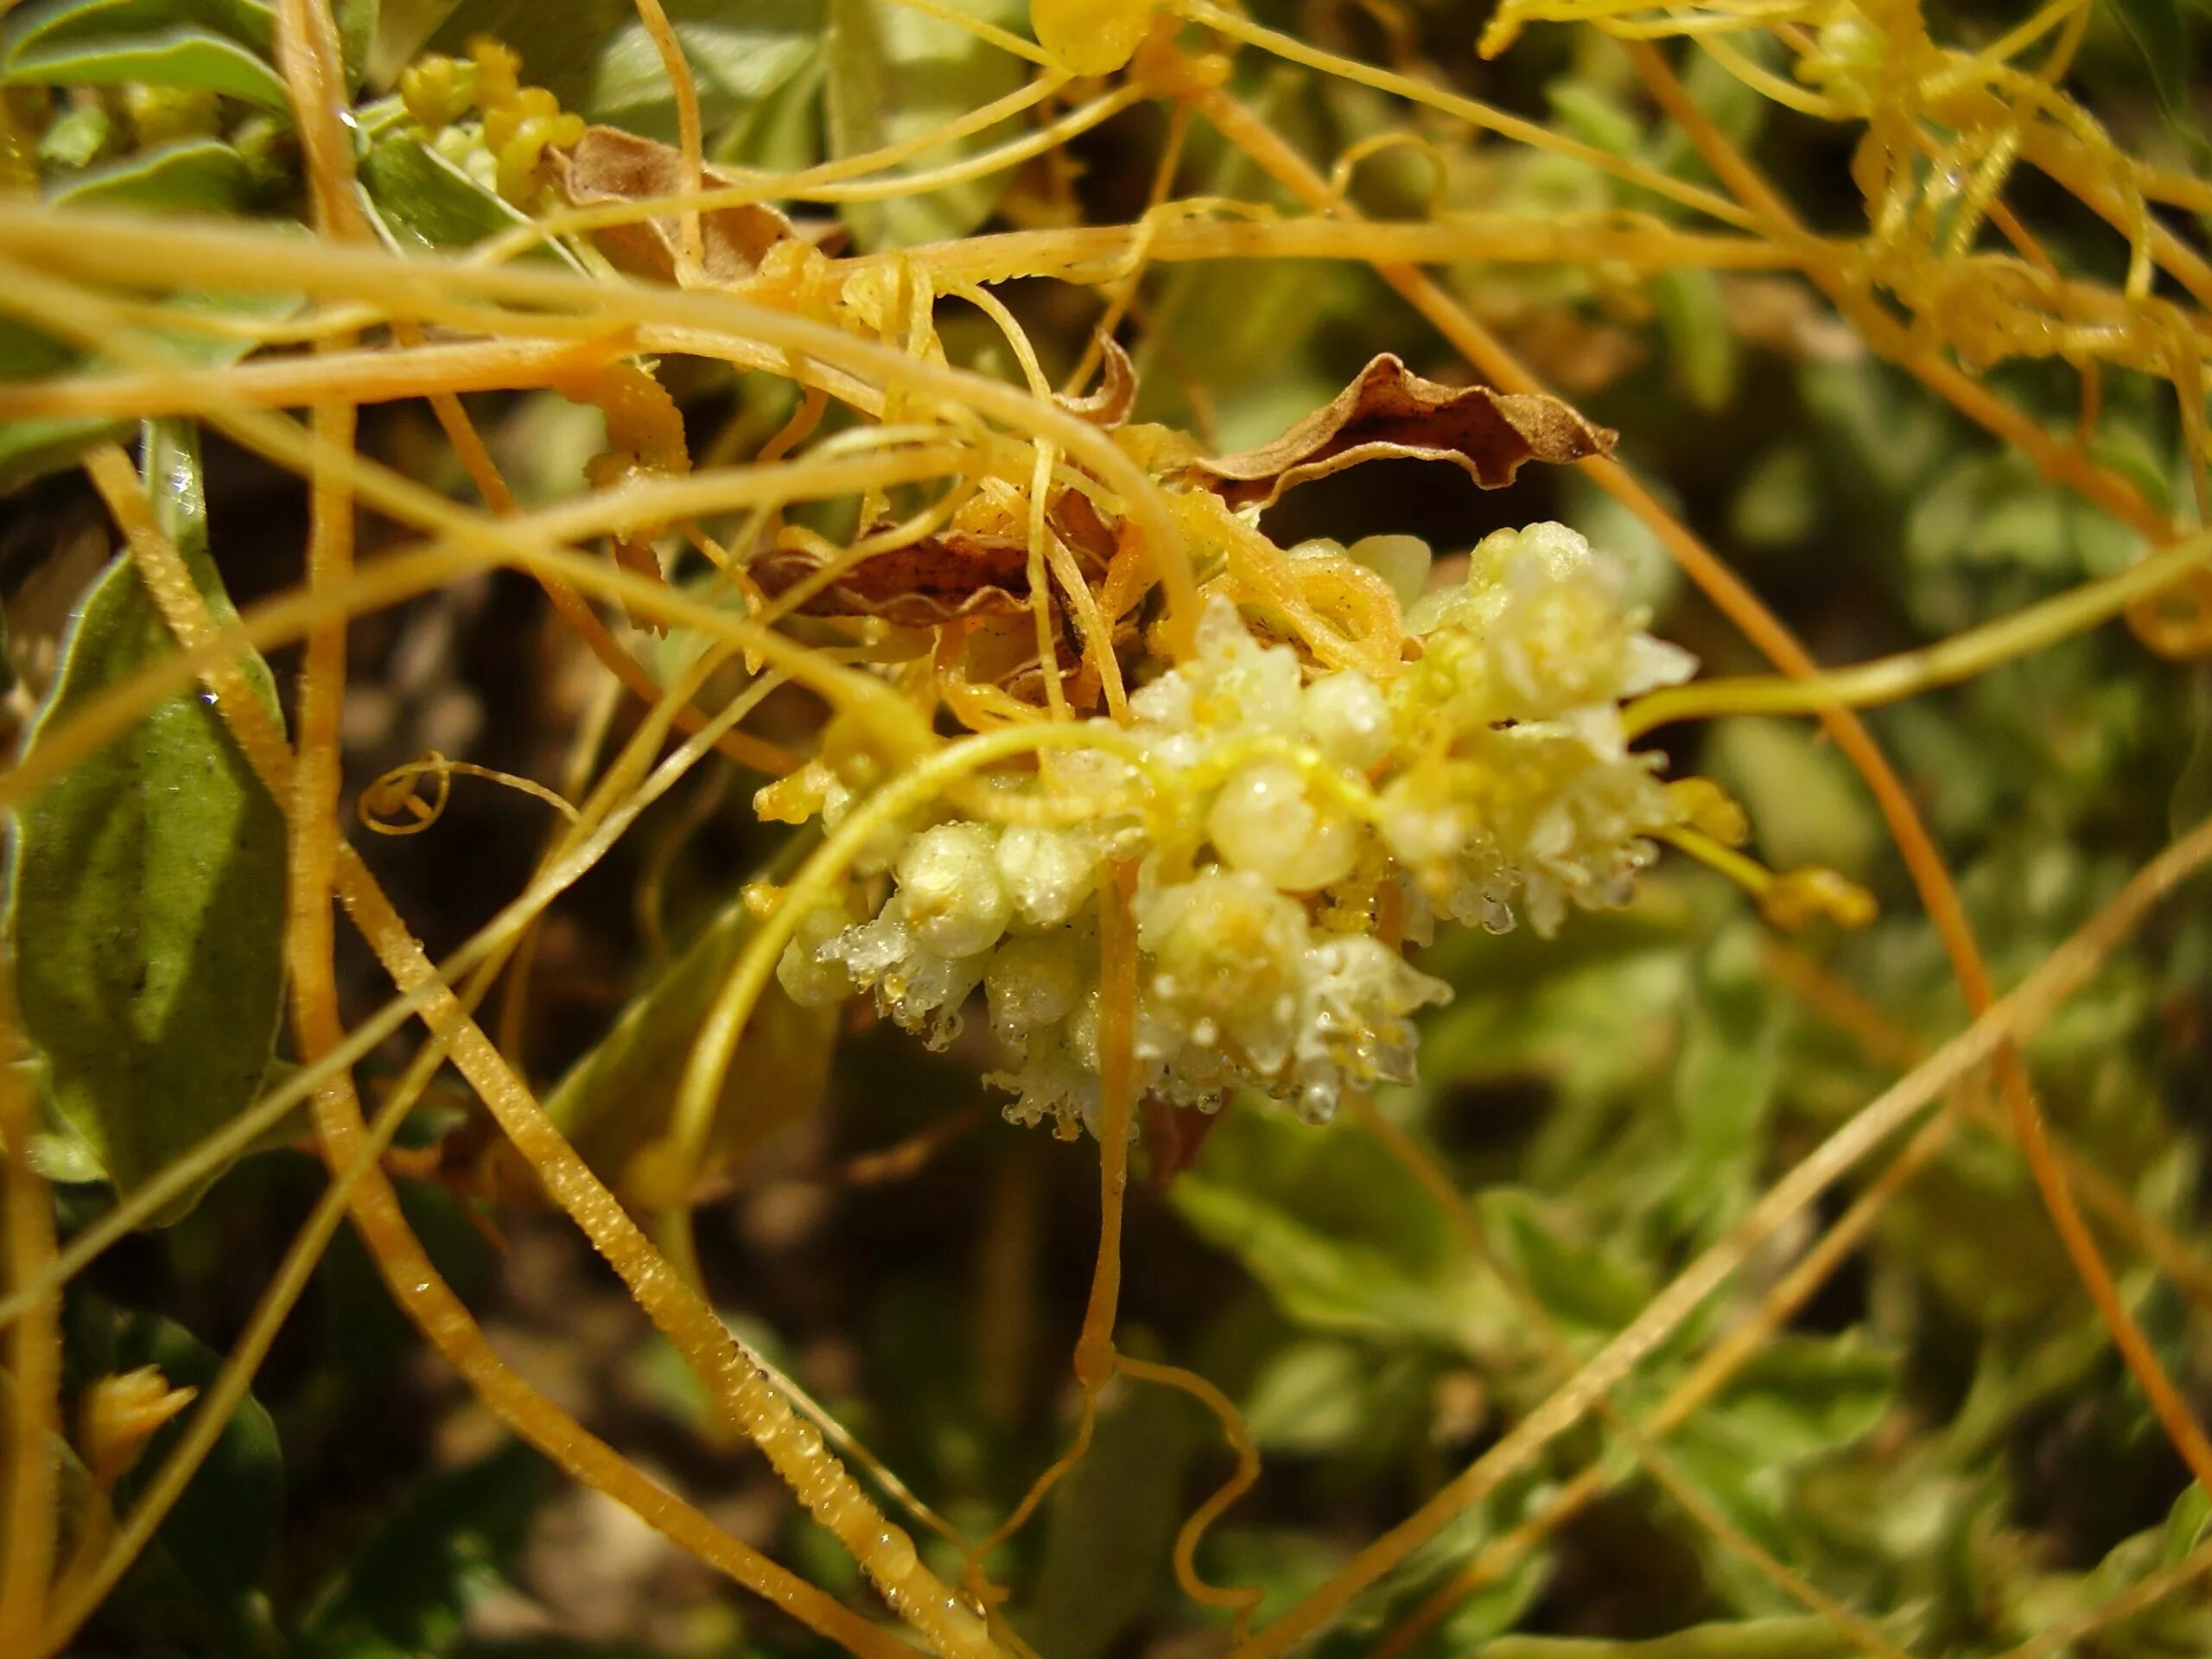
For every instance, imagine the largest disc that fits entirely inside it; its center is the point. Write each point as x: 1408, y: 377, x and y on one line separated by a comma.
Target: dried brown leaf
x: 610, y: 165
x: 1117, y: 396
x: 940, y: 578
x: 924, y: 584
x: 1390, y: 411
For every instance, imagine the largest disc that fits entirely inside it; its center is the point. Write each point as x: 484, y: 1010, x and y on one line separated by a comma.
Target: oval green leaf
x: 252, y: 21
x: 184, y: 55
x: 146, y: 907
x: 424, y: 202
x: 195, y: 175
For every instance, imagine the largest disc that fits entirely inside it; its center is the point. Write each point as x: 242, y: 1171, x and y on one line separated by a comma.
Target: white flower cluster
x: 1516, y: 782
x: 1292, y: 818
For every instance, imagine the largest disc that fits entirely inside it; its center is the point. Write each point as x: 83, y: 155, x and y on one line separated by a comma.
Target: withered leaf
x: 940, y: 578
x: 937, y: 580
x: 1390, y: 411
x: 1109, y: 405
x: 610, y: 165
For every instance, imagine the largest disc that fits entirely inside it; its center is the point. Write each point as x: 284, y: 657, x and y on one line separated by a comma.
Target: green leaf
x: 1496, y: 1606
x: 169, y: 457
x: 26, y: 354
x: 147, y: 904
x: 1997, y: 510
x: 1308, y: 1398
x: 1592, y: 1010
x: 1594, y: 114
x: 1874, y: 422
x: 2191, y: 801
x: 1703, y: 361
x: 2161, y: 36
x: 251, y: 22
x: 1726, y: 1075
x: 406, y: 1593
x: 1801, y: 1397
x: 596, y: 58
x: 1112, y: 1524
x: 780, y: 130
x: 1779, y: 500
x: 1336, y: 1232
x: 424, y: 202
x: 1579, y: 1285
x: 1812, y: 1636
x: 79, y: 1498
x: 224, y: 1527
x: 195, y: 175
x: 894, y: 73
x: 1806, y: 805
x: 183, y: 56
x: 31, y: 447
x: 616, y: 1101
x: 357, y: 33
x: 1801, y: 1401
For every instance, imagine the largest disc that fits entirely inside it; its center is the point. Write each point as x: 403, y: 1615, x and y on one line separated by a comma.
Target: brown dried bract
x: 1391, y: 411
x: 940, y: 578
x: 610, y: 165
x: 924, y: 584
x: 1117, y: 396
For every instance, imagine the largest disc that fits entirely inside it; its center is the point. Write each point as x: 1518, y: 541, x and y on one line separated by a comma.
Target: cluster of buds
x: 1295, y: 829
x: 484, y: 120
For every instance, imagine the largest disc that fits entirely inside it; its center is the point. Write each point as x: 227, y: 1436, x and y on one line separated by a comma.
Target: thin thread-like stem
x: 34, y: 1448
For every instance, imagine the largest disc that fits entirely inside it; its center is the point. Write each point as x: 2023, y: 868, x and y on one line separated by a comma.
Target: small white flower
x: 948, y: 881
x: 1265, y: 819
x: 1047, y: 873
x: 1348, y: 719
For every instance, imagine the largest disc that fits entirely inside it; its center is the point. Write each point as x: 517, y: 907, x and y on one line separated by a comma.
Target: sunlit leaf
x: 251, y: 22
x: 424, y: 202
x: 183, y: 55
x: 1341, y: 1236
x: 894, y: 73
x: 596, y: 58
